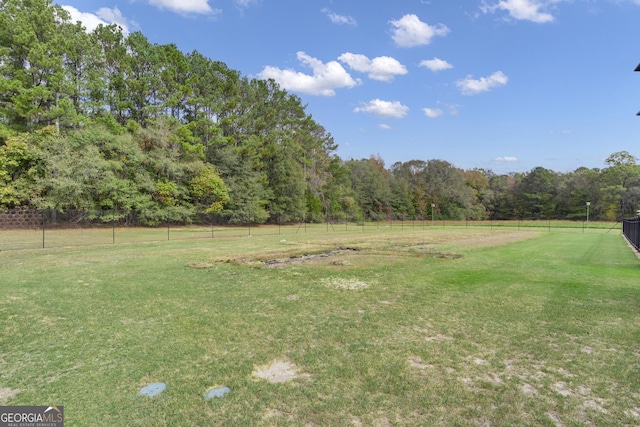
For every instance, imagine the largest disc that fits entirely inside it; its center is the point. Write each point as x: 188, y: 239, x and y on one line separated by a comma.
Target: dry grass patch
x: 278, y: 371
x: 338, y: 252
x: 344, y: 284
x: 7, y: 393
x: 199, y: 265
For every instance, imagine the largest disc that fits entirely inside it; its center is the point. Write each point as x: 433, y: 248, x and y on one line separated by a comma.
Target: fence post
x: 43, y: 229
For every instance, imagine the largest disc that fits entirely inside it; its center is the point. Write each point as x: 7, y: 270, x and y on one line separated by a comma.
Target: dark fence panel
x: 631, y: 229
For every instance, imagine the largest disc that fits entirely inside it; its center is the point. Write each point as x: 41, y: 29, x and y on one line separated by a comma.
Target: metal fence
x: 22, y: 228
x: 631, y: 230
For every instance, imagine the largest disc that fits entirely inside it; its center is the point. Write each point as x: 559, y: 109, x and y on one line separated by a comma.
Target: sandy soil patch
x: 278, y: 371
x: 7, y: 393
x: 562, y: 389
x: 529, y: 389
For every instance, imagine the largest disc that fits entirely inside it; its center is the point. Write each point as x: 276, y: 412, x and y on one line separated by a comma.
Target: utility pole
x: 588, y: 204
x: 433, y: 206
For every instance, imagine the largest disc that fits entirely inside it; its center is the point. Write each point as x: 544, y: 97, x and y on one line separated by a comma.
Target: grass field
x: 397, y: 326
x: 65, y: 235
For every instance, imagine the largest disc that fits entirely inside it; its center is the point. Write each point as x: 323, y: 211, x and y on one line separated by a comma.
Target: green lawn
x: 397, y: 327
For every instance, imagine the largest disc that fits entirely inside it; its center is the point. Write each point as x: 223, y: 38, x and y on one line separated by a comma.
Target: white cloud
x: 506, y: 159
x: 409, y: 31
x: 89, y: 20
x: 104, y: 16
x: 384, y: 126
x: 339, y: 19
x: 325, y: 79
x: 185, y: 6
x: 435, y: 64
x: 386, y: 109
x: 245, y: 3
x: 114, y: 16
x: 528, y: 10
x: 382, y: 68
x: 432, y: 112
x: 471, y: 86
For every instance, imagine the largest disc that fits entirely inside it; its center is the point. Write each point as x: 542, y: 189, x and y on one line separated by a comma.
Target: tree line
x: 99, y: 121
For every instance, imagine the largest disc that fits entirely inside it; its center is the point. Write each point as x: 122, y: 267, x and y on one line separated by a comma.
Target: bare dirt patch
x: 278, y: 371
x: 300, y: 259
x: 7, y: 393
x: 562, y: 389
x: 336, y: 252
x: 421, y: 250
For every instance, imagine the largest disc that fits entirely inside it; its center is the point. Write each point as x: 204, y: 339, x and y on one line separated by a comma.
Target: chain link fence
x: 24, y: 228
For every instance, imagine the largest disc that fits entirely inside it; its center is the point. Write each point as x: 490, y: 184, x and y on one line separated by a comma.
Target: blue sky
x: 505, y: 85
